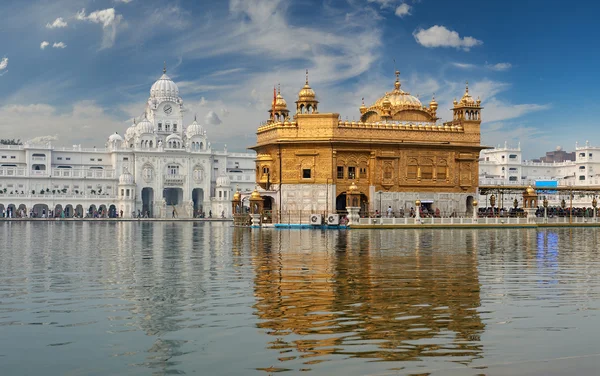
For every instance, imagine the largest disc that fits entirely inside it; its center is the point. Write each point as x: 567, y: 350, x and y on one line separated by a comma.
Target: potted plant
x: 77, y: 191
x: 33, y: 191
x: 54, y: 191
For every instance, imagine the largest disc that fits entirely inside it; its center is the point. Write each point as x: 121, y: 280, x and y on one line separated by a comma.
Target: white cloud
x: 85, y: 122
x: 124, y: 1
x: 403, y: 10
x: 464, y: 65
x: 58, y: 23
x: 499, y: 66
x: 384, y: 3
x: 44, y: 44
x: 3, y: 63
x: 439, y: 36
x: 109, y: 20
x: 212, y: 118
x: 59, y: 45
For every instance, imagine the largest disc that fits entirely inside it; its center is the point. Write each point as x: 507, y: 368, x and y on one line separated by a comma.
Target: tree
x: 6, y: 141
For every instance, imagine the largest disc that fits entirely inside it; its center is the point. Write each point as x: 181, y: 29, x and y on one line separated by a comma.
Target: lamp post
x: 380, y: 203
x: 492, y: 204
x: 545, y: 203
x: 418, y: 211
x: 594, y: 204
x: 474, y: 211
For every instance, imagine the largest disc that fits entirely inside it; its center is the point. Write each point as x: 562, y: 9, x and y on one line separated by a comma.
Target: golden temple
x: 397, y: 153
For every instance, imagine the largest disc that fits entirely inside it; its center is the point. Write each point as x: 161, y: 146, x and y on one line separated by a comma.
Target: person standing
x: 389, y: 211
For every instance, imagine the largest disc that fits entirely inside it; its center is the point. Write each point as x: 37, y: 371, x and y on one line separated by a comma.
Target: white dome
x: 130, y: 132
x: 194, y: 129
x: 164, y: 88
x: 223, y: 181
x: 144, y: 126
x: 115, y: 137
x: 126, y: 178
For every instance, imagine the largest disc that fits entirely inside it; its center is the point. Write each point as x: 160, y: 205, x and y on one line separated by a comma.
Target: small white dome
x: 164, y: 88
x: 223, y: 181
x: 130, y: 132
x: 144, y: 126
x: 126, y: 178
x: 115, y: 137
x: 194, y: 129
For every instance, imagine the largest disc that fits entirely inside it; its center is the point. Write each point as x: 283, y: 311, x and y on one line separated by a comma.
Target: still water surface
x: 205, y: 298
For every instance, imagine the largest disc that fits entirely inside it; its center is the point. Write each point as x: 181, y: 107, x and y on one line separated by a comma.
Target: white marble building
x: 504, y: 166
x: 157, y: 168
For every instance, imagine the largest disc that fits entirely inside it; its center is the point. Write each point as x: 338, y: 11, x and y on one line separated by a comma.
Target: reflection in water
x: 366, y: 295
x: 171, y: 298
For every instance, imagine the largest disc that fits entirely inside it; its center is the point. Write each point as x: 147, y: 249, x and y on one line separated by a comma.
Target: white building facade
x: 158, y: 169
x: 504, y: 166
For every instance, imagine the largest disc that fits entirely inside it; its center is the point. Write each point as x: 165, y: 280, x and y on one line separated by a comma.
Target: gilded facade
x: 398, y: 152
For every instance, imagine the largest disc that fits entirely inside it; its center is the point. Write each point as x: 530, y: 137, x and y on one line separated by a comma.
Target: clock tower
x: 165, y: 107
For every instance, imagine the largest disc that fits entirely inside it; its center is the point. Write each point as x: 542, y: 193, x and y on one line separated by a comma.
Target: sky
x: 80, y: 70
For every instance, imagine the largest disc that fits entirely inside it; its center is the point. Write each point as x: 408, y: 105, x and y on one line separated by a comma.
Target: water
x: 191, y: 298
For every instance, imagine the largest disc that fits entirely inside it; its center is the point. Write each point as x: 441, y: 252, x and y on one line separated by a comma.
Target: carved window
x: 198, y: 173
x: 340, y: 172
x: 306, y: 173
x: 363, y: 172
x: 148, y: 173
x: 388, y: 172
x: 427, y: 172
x: 412, y: 169
x: 173, y: 170
x: 441, y: 172
x: 160, y: 126
x: 351, y: 172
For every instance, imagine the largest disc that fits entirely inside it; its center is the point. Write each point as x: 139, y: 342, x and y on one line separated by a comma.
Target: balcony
x: 42, y: 173
x: 38, y: 159
x: 174, y: 179
x: 12, y: 171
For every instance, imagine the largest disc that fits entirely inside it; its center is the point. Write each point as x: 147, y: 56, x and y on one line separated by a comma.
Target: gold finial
x: 307, y: 76
x: 195, y: 115
x: 397, y: 83
x: 164, y: 67
x: 278, y: 88
x: 467, y: 89
x: 363, y: 101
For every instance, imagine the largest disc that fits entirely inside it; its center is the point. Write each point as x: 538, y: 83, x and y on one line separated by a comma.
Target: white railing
x: 41, y: 159
x: 39, y: 173
x: 480, y: 221
x: 12, y: 171
x: 174, y: 179
x: 59, y: 196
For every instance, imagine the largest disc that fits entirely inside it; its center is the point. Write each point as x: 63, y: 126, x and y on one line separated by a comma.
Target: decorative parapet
x: 278, y: 124
x: 407, y: 126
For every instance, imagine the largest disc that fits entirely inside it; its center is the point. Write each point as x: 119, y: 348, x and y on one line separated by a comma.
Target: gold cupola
x: 467, y: 108
x: 363, y: 108
x: 396, y: 105
x: 433, y: 105
x: 307, y: 99
x: 279, y: 110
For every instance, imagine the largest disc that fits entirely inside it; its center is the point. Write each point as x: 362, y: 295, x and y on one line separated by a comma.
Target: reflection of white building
x: 504, y: 166
x: 157, y: 167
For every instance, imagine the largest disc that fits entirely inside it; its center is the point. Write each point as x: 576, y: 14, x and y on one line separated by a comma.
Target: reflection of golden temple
x: 397, y: 150
x: 361, y: 301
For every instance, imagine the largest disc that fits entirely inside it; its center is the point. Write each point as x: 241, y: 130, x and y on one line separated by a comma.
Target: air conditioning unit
x: 333, y: 219
x: 316, y: 219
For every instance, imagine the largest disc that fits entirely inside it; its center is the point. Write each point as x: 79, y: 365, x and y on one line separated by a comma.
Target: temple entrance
x: 40, y: 210
x: 173, y: 196
x: 148, y: 201
x: 58, y: 209
x: 112, y: 211
x: 69, y: 211
x: 469, y: 204
x: 92, y: 212
x: 268, y: 205
x: 198, y: 198
x: 79, y: 211
x: 22, y: 210
x: 340, y: 203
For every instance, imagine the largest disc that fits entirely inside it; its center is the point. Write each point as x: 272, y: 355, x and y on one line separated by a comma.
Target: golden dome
x: 280, y: 103
x: 353, y: 188
x: 433, y: 104
x: 530, y: 190
x: 398, y: 99
x: 237, y: 195
x: 306, y: 93
x: 255, y: 195
x: 467, y: 99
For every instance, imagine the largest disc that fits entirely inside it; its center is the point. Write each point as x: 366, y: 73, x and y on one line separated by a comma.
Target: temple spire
x: 307, y: 76
x: 164, y: 67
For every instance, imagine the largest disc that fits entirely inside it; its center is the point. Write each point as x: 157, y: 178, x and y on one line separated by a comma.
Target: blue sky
x: 533, y: 63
